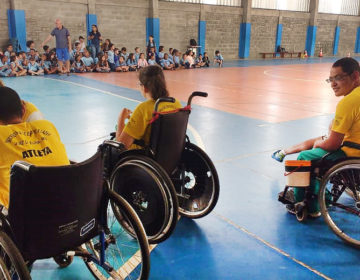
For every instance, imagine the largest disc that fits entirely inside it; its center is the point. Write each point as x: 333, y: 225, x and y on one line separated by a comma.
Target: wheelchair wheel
x: 196, y: 182
x: 12, y: 258
x: 340, y: 202
x: 4, y: 273
x: 127, y: 255
x: 63, y: 260
x: 150, y: 192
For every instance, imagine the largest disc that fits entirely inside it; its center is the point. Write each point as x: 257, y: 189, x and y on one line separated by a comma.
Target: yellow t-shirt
x: 36, y: 142
x: 138, y: 126
x: 347, y: 120
x: 31, y: 113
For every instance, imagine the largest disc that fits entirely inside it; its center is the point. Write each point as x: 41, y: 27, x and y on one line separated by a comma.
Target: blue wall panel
x: 310, y: 39
x: 17, y: 26
x: 202, y: 35
x: 153, y: 28
x: 336, y: 40
x: 244, y: 42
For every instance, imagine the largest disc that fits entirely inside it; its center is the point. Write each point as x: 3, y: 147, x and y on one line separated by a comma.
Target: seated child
x: 122, y: 65
x: 206, y: 60
x: 16, y: 68
x: 34, y: 68
x: 176, y: 58
x: 111, y: 57
x: 199, y: 61
x: 153, y: 86
x: 5, y: 68
x: 78, y: 66
x: 218, y: 58
x: 152, y: 60
x: 142, y: 61
x: 131, y: 62
x: 9, y: 50
x: 124, y: 54
x: 102, y: 65
x: 88, y: 61
x: 166, y: 63
x: 137, y: 54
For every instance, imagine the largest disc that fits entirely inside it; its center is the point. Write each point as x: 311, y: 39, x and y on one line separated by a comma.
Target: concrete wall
x: 4, y: 31
x: 326, y: 34
x: 294, y: 31
x: 348, y: 29
x: 263, y: 32
x: 223, y: 30
x: 178, y: 24
x: 123, y: 22
x: 40, y: 18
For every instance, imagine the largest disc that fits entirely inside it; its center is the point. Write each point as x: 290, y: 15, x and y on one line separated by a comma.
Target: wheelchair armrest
x: 114, y: 144
x: 196, y: 93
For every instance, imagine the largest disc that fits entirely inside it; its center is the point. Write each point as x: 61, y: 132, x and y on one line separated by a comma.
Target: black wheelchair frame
x: 49, y: 216
x: 170, y: 176
x: 339, y: 196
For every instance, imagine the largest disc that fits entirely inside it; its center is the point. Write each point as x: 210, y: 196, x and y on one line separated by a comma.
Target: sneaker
x: 291, y: 208
x: 315, y: 214
x: 278, y: 156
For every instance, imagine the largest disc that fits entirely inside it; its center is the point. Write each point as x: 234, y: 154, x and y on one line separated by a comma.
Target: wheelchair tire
x: 4, y: 273
x: 199, y: 193
x: 128, y: 255
x: 12, y: 258
x: 63, y: 260
x: 144, y: 184
x: 338, y: 205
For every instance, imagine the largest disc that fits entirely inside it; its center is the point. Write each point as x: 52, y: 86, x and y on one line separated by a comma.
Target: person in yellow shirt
x: 37, y: 142
x: 32, y: 113
x: 153, y: 86
x: 344, y: 136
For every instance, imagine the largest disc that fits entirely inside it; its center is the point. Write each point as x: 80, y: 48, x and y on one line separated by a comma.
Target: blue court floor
x: 249, y: 235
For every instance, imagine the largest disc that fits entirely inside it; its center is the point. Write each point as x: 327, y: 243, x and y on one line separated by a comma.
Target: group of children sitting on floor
x: 109, y: 59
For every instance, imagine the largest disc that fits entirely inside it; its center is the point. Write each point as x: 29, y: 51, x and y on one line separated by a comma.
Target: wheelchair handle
x: 196, y: 93
x: 163, y: 99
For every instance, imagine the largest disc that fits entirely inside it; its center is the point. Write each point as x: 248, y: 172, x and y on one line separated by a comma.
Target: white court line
x: 267, y: 73
x: 272, y: 246
x: 196, y: 135
x: 201, y: 144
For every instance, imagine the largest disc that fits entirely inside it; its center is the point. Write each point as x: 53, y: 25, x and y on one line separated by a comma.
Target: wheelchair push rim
x: 143, y: 184
x: 12, y: 258
x: 127, y: 254
x: 339, y: 200
x: 196, y: 182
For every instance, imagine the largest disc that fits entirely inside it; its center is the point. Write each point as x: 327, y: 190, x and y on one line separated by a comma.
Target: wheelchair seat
x: 180, y: 176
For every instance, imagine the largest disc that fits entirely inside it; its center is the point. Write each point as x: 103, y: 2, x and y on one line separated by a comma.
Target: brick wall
x: 223, y: 30
x: 348, y: 29
x: 124, y: 22
x: 4, y: 30
x: 325, y: 36
x: 294, y: 33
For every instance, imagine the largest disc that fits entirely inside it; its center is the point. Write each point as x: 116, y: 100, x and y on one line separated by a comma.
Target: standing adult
x: 95, y: 38
x: 63, y: 45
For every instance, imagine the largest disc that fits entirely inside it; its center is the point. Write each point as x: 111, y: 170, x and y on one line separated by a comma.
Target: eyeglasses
x: 337, y: 78
x: 140, y: 84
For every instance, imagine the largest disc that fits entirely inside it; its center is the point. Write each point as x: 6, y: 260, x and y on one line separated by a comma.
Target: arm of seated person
x: 125, y: 138
x: 332, y: 143
x: 122, y: 136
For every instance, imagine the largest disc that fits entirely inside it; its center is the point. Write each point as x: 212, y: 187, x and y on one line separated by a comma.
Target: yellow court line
x: 253, y: 235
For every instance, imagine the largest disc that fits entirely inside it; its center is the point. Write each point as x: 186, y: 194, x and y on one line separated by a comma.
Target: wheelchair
x: 67, y: 211
x: 170, y: 176
x: 338, y: 197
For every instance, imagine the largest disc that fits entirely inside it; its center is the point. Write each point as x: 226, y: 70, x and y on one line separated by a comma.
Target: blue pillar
x: 336, y: 40
x: 278, y: 36
x: 244, y: 42
x: 310, y: 40
x: 357, y: 42
x: 153, y: 28
x: 90, y: 20
x: 17, y: 26
x: 202, y: 36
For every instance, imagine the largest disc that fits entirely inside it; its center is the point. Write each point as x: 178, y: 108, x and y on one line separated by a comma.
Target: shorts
x: 63, y: 54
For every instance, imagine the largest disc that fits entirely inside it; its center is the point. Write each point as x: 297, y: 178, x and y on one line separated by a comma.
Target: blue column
x: 17, y: 26
x: 244, y: 42
x: 357, y: 42
x: 90, y: 20
x: 336, y: 40
x: 278, y: 36
x: 153, y: 28
x: 202, y: 35
x: 310, y: 40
